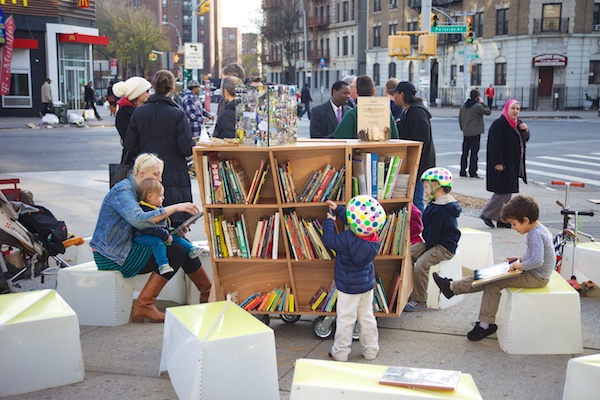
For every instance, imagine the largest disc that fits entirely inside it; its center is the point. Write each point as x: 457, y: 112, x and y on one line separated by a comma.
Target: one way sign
x: 194, y: 56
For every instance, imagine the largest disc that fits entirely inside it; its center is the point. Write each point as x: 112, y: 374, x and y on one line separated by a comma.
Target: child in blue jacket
x: 354, y: 272
x: 440, y: 232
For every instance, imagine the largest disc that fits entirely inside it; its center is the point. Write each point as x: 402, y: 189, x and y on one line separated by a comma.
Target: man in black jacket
x: 470, y: 119
x: 90, y: 100
x: 327, y: 116
x: 305, y: 98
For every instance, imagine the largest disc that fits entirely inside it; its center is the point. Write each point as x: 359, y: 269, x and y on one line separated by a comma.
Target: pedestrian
x: 192, y: 106
x: 505, y: 161
x: 489, y: 94
x: 133, y: 93
x: 89, y: 97
x: 113, y: 245
x: 327, y: 116
x: 470, y: 120
x: 225, y: 127
x: 354, y: 272
x: 348, y: 127
x: 351, y: 81
x: 46, y: 97
x: 415, y: 124
x: 537, y: 264
x: 391, y: 85
x: 233, y: 69
x: 111, y: 98
x: 305, y: 98
x: 162, y: 128
x: 440, y: 233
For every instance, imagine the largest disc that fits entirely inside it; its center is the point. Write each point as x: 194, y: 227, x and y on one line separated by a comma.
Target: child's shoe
x: 444, y: 285
x: 165, y: 269
x: 332, y: 357
x: 479, y: 333
x: 415, y: 306
x: 194, y: 252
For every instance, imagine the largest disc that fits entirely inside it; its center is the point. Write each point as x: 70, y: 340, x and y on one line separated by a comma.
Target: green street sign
x: 472, y: 55
x: 449, y: 29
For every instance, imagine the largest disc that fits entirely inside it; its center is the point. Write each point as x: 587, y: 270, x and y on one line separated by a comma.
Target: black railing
x: 550, y: 25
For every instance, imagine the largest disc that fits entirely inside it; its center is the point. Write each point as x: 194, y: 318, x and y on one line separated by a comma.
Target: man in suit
x: 326, y: 116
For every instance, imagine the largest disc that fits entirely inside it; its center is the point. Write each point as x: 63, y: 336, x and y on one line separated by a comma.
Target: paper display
x: 373, y: 112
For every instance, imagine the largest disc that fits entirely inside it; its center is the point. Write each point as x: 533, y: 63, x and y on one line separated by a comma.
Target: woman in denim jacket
x: 113, y: 246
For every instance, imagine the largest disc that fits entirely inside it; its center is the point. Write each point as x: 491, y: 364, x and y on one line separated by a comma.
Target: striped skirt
x: 136, y: 260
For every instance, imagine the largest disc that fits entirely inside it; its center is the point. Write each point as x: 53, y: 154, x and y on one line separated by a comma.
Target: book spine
x: 227, y: 238
x: 242, y: 240
x: 275, y: 251
x: 327, y: 176
x: 206, y: 179
x: 260, y: 185
x: 308, y: 186
x: 374, y: 175
x: 217, y: 182
x: 292, y: 185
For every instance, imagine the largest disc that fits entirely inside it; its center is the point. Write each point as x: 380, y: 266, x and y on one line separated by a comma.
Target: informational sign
x: 549, y: 60
x: 7, y: 53
x: 373, y: 112
x: 114, y: 62
x: 424, y: 81
x: 2, y: 38
x: 194, y: 56
x: 449, y: 29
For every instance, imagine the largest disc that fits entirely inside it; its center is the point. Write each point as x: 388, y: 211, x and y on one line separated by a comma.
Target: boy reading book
x: 151, y: 194
x: 522, y: 212
x: 354, y: 272
x: 440, y: 232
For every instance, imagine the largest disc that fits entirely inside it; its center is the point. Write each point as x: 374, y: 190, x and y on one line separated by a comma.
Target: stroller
x: 29, y: 235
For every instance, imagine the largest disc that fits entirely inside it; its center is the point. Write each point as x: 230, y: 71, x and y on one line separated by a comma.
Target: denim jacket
x: 119, y: 214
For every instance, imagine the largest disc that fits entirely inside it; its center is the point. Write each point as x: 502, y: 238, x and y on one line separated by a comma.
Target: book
x: 392, y: 176
x: 318, y: 301
x: 188, y: 222
x: 241, y: 176
x: 257, y: 235
x: 218, y: 191
x: 493, y: 273
x: 206, y: 179
x: 395, y: 293
x: 275, y: 248
x: 374, y: 175
x: 227, y: 235
x: 358, y: 171
x: 422, y: 378
x: 381, y: 176
x: 292, y: 304
x: 260, y: 185
x: 317, y: 298
x: 242, y: 242
x: 381, y: 300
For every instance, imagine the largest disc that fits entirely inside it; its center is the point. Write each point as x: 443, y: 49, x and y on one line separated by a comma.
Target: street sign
x: 472, y: 55
x: 322, y: 61
x: 449, y: 29
x: 194, y: 56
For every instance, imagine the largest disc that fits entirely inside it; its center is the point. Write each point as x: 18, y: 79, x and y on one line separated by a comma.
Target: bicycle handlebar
x: 563, y: 183
x: 568, y: 212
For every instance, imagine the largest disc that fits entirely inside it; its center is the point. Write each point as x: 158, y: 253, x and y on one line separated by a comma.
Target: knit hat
x: 132, y: 88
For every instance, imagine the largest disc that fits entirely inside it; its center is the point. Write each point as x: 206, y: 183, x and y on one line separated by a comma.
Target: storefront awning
x: 31, y: 44
x: 80, y: 38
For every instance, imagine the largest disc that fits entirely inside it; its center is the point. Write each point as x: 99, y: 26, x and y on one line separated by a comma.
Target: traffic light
x: 178, y: 59
x: 420, y: 21
x: 152, y: 57
x: 469, y: 34
x: 204, y: 7
x: 434, y: 20
x: 398, y: 45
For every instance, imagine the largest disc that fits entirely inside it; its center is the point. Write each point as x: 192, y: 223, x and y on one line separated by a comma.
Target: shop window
x: 594, y: 73
x: 500, y: 74
x: 20, y: 90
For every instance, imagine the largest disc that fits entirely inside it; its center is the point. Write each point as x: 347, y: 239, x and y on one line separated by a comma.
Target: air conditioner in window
x: 596, y: 27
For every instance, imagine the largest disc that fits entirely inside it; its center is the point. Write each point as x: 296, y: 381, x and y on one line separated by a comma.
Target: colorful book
x: 494, y: 273
x: 317, y: 298
x: 206, y: 179
x: 218, y: 190
x: 392, y: 176
x: 395, y: 293
x: 358, y: 171
x: 422, y: 378
x: 242, y: 242
x: 275, y: 247
x: 257, y: 235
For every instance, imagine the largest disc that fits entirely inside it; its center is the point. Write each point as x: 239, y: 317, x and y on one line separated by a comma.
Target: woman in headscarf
x: 133, y: 92
x: 505, y: 161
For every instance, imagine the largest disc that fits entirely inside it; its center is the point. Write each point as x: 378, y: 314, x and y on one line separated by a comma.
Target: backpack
x: 50, y: 231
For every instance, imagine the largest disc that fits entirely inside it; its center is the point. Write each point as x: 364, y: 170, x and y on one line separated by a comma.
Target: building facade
x: 52, y: 39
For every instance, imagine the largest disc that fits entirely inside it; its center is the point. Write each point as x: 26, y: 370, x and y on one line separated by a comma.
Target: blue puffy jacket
x: 354, y: 271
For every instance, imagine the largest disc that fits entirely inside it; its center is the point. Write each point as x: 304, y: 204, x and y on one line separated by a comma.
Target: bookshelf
x: 279, y: 269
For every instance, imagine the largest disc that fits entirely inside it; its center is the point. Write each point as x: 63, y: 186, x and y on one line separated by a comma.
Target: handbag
x: 118, y: 172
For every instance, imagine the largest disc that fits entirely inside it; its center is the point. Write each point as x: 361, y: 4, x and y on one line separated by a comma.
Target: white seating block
x: 540, y: 321
x: 39, y: 343
x: 448, y: 269
x: 219, y: 351
x: 583, y: 378
x: 475, y: 247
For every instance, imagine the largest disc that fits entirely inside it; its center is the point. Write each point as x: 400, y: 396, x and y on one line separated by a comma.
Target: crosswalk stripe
x: 564, y: 177
x: 562, y: 167
x: 582, y: 156
x: 562, y: 159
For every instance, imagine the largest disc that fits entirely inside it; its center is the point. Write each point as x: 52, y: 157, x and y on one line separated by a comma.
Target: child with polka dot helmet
x: 439, y: 179
x: 364, y: 215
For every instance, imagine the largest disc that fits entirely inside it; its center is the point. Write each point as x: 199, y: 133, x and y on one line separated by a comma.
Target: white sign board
x: 194, y: 56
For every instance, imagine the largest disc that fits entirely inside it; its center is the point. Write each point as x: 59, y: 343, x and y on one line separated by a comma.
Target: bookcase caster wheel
x: 324, y: 327
x: 264, y: 318
x: 289, y: 318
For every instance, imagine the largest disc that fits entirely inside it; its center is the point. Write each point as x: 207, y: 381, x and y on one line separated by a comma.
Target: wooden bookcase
x: 249, y: 275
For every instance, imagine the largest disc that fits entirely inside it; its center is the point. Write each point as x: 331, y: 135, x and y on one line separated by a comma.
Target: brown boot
x: 144, y: 305
x: 202, y: 282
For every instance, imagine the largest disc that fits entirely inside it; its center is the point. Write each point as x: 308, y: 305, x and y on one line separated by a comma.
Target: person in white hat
x: 133, y: 93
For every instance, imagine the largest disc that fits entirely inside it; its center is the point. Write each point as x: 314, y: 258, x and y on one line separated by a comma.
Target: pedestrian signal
x: 178, y: 59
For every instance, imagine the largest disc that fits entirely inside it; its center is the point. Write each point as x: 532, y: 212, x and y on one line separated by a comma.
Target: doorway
x: 434, y: 82
x: 545, y: 81
x: 73, y: 87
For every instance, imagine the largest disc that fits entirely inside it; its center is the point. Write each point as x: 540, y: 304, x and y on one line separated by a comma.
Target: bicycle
x: 570, y: 234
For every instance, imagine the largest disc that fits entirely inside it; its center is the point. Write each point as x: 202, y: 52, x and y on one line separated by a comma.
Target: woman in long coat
x: 162, y: 128
x: 505, y: 161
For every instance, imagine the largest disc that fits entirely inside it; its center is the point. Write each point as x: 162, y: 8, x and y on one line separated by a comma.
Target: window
x: 376, y: 74
x: 411, y: 72
x: 393, y: 4
x: 376, y: 5
x: 551, y: 17
x: 475, y: 74
x: 377, y: 36
x: 502, y: 22
x: 352, y: 45
x: 392, y: 70
x: 453, y: 74
x: 596, y: 18
x: 175, y: 3
x: 337, y: 12
x: 164, y: 3
x: 176, y: 17
x: 393, y: 29
x: 500, y: 74
x: 19, y: 95
x: 345, y: 46
x: 345, y: 12
x: 412, y: 26
x: 337, y: 47
x: 594, y: 73
x: 353, y: 10
x: 478, y: 25
x: 164, y: 17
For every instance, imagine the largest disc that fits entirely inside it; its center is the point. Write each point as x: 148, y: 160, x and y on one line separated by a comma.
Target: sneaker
x: 415, y: 306
x: 165, y: 269
x: 476, y: 177
x: 501, y: 224
x: 487, y: 221
x: 195, y: 252
x: 479, y: 333
x: 331, y: 357
x: 444, y: 285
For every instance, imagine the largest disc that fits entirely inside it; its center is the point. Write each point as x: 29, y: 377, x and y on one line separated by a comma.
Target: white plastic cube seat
x: 219, y: 351
x: 332, y: 380
x: 540, y: 321
x: 476, y: 249
x: 448, y: 269
x: 583, y: 378
x: 39, y: 343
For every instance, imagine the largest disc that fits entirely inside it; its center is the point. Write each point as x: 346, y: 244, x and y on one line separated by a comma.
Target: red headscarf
x: 511, y: 121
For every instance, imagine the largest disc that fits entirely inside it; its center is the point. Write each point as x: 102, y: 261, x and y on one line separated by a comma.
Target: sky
x: 240, y: 13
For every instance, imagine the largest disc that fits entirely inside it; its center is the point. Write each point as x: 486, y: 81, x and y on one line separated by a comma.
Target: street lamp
x: 176, y: 31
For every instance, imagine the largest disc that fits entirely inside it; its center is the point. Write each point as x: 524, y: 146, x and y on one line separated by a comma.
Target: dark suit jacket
x: 323, y: 121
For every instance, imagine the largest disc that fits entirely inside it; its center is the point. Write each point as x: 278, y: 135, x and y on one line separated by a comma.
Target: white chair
x: 583, y: 378
x: 476, y: 249
x: 448, y: 269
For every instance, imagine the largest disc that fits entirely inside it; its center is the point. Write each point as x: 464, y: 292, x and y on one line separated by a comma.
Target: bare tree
x: 280, y: 28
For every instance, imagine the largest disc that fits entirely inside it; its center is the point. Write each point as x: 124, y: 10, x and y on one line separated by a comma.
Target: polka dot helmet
x: 442, y: 175
x: 365, y: 215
